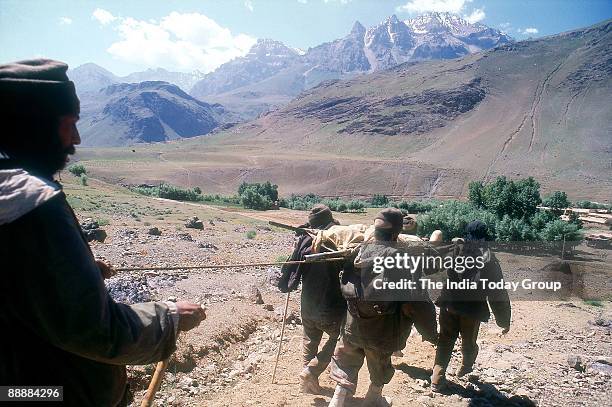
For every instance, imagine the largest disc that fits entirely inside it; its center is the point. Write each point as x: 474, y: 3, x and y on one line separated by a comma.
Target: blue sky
x: 183, y: 35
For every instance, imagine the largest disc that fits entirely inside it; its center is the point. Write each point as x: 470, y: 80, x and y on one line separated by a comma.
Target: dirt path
x: 228, y: 360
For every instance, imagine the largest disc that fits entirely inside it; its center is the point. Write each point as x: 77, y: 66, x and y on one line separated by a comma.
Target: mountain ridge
x: 362, y: 50
x: 426, y: 129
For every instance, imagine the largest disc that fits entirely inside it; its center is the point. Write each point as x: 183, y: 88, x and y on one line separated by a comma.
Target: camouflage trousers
x: 317, y: 360
x: 451, y: 326
x: 348, y: 360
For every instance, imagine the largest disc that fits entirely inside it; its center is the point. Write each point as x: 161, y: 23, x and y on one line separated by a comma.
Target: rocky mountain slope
x: 272, y: 74
x: 122, y: 114
x: 536, y: 108
x: 91, y: 78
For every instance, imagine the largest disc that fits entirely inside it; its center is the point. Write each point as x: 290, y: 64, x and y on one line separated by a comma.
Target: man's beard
x: 51, y: 162
x: 67, y: 152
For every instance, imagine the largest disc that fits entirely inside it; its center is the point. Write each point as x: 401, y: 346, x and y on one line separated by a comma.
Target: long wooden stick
x: 156, y: 380
x: 280, y: 344
x: 221, y: 266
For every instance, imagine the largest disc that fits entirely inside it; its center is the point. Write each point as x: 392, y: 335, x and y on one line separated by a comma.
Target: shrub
x: 417, y: 206
x: 557, y: 229
x: 356, y: 206
x: 77, y: 170
x: 514, y: 230
x: 379, y: 200
x: 83, y: 179
x: 251, y: 199
x: 541, y: 218
x: 251, y: 234
x: 168, y: 191
x: 258, y: 196
x: 592, y: 205
x: 452, y: 217
x: 300, y: 202
x: 265, y: 189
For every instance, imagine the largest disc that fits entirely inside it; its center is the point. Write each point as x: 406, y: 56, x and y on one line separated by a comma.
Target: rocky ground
x: 556, y: 353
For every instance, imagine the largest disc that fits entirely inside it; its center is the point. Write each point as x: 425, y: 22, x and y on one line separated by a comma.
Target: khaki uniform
x: 348, y: 360
x: 462, y: 311
x: 374, y: 328
x: 322, y: 305
x: 318, y: 360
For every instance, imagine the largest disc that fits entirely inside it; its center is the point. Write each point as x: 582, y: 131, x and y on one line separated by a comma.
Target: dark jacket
x: 59, y: 325
x: 475, y: 303
x: 321, y: 297
x: 383, y: 320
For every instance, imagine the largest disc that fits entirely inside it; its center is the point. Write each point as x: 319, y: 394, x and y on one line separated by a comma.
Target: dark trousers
x: 348, y: 359
x: 318, y: 360
x: 451, y: 326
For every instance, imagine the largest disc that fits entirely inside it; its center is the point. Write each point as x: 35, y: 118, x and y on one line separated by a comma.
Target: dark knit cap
x: 389, y: 219
x: 476, y: 230
x: 36, y: 88
x: 320, y: 216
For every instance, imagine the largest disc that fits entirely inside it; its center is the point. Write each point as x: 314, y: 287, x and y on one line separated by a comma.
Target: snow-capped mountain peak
x: 269, y: 48
x: 436, y: 22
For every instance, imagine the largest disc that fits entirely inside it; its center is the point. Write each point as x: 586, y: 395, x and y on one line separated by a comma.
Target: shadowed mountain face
x: 535, y: 108
x: 272, y: 74
x: 124, y: 114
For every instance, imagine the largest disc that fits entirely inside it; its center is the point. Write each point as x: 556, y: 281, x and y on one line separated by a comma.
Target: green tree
x: 475, y: 194
x: 519, y: 199
x: 557, y: 202
x: 528, y: 198
x: 557, y: 229
x: 250, y: 198
x: 77, y: 170
x: 575, y: 219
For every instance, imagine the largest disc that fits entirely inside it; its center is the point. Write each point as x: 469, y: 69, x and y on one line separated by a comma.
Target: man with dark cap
x: 322, y: 304
x: 59, y: 325
x: 462, y: 310
x: 375, y: 324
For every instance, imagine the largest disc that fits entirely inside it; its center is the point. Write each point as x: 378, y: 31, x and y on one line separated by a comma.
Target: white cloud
x: 440, y: 6
x: 528, y: 31
x: 334, y: 1
x: 179, y: 41
x: 505, y: 25
x: 65, y: 20
x: 104, y: 17
x: 248, y: 4
x: 302, y: 1
x: 477, y: 15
